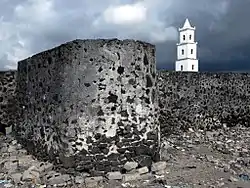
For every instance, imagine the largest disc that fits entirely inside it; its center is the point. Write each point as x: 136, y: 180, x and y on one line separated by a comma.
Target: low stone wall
x: 7, y: 99
x: 203, y: 100
x: 90, y: 105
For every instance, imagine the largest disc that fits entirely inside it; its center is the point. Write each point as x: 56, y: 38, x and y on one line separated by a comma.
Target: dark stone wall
x: 203, y: 100
x: 7, y: 99
x: 90, y: 105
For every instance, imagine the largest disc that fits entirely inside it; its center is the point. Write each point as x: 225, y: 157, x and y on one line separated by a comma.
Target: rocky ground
x: 194, y: 159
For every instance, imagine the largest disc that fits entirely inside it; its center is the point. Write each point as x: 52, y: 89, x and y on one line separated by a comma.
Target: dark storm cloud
x: 222, y: 33
x: 30, y: 26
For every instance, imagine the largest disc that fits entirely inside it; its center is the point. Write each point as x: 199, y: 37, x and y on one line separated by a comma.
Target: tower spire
x: 187, y: 24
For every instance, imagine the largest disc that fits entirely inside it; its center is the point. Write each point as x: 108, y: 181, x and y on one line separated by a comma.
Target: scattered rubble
x: 20, y: 169
x: 192, y: 159
x: 215, y: 158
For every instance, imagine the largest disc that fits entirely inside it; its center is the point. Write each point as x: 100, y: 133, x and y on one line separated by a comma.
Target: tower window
x: 181, y: 67
x: 184, y: 37
x: 192, y: 67
x: 182, y: 52
x: 190, y: 37
x: 192, y: 51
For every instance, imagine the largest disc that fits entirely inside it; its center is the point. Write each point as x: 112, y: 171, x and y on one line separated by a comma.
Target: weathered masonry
x: 203, y: 100
x: 7, y: 99
x: 90, y: 105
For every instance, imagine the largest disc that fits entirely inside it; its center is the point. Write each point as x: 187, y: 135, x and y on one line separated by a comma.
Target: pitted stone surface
x: 7, y: 96
x: 203, y: 100
x: 90, y: 104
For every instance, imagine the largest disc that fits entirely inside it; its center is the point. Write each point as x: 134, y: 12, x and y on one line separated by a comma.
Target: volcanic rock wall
x: 90, y: 104
x: 7, y: 99
x: 203, y: 100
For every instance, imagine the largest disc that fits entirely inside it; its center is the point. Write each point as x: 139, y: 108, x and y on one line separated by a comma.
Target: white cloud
x: 12, y: 48
x: 126, y: 14
x: 28, y: 19
x: 35, y: 11
x: 141, y: 20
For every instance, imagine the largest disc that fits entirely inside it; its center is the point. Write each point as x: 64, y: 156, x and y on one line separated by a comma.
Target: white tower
x: 187, y: 49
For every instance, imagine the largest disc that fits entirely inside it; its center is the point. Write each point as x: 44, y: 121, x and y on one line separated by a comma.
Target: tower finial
x: 187, y: 24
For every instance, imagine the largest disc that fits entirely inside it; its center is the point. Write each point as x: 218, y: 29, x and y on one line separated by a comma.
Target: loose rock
x: 114, y: 175
x: 130, y: 165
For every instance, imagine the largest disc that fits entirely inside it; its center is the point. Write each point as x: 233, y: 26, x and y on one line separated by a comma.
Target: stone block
x: 10, y: 166
x: 147, y: 176
x: 131, y: 177
x: 43, y: 167
x: 16, y: 177
x: 79, y: 180
x: 114, y: 175
x: 95, y: 179
x: 143, y: 170
x: 8, y: 129
x: 130, y: 166
x: 61, y: 179
x: 80, y: 99
x: 159, y: 166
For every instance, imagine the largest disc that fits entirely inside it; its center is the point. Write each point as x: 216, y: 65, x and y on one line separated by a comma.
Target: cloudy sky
x: 223, y: 29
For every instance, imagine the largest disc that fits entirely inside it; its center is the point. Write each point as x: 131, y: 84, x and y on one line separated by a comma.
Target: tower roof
x: 186, y: 25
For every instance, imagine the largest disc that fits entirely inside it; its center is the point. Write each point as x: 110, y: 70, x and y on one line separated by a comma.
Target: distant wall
x: 203, y: 100
x: 7, y: 99
x: 91, y: 104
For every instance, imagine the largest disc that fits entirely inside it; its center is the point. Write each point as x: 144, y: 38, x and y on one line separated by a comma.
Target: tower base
x: 187, y: 65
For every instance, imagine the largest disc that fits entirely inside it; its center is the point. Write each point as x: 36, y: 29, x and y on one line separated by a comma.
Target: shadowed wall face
x: 7, y: 99
x: 203, y: 100
x: 90, y: 104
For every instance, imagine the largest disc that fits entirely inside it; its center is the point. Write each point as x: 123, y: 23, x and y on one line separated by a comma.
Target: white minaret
x: 187, y: 49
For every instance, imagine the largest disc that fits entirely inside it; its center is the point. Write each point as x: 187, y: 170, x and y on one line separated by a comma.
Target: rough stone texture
x: 203, y: 100
x: 90, y: 104
x: 7, y: 96
x: 197, y: 159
